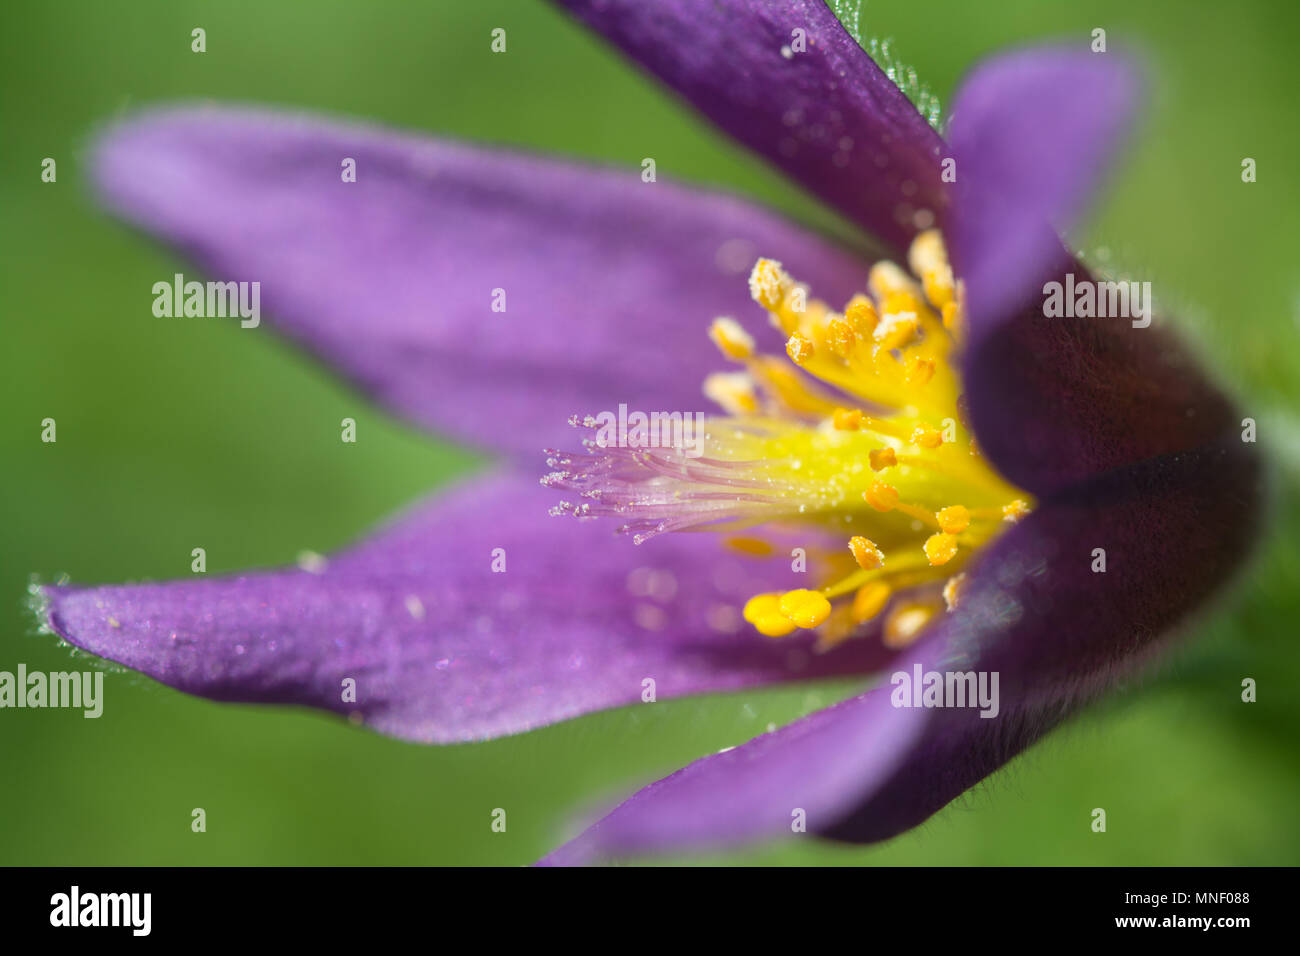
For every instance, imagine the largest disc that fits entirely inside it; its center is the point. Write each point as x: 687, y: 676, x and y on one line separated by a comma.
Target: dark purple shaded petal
x: 609, y: 282
x: 1032, y: 132
x: 1055, y: 632
x: 1056, y: 400
x: 828, y: 116
x: 442, y: 648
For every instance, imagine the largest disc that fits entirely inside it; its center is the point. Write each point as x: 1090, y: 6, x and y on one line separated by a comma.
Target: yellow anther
x: 928, y: 259
x: 764, y: 612
x: 870, y: 600
x: 865, y: 552
x: 769, y: 284
x: 1015, y: 510
x: 927, y: 252
x: 882, y: 458
x: 954, y: 519
x: 886, y: 278
x: 731, y: 338
x: 789, y: 387
x: 847, y: 419
x: 805, y: 608
x: 905, y: 624
x: 861, y: 313
x: 919, y: 370
x: 901, y: 301
x: 952, y: 590
x: 841, y: 336
x: 799, y: 348
x: 954, y: 311
x: 938, y: 287
x: 927, y: 436
x: 732, y: 391
x: 895, y: 330
x: 752, y: 546
x: 761, y: 605
x: 941, y: 548
x: 881, y: 496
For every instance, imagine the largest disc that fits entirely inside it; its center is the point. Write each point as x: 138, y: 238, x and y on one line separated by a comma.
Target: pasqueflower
x: 948, y: 460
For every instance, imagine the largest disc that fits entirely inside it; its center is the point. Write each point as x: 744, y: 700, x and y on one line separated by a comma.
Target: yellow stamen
x: 806, y: 440
x: 950, y: 316
x: 805, y: 608
x: 905, y: 623
x: 941, y: 548
x: 841, y: 336
x: 752, y: 546
x: 952, y: 590
x: 733, y: 391
x: 881, y: 496
x: 764, y: 612
x: 886, y: 279
x: 927, y: 437
x: 865, y: 552
x: 895, y: 330
x: 954, y: 519
x: 902, y: 301
x: 928, y: 259
x: 938, y: 287
x: 870, y: 600
x: 799, y: 348
x: 731, y: 338
x: 788, y: 388
x: 889, y: 349
x: 847, y: 419
x: 919, y: 370
x: 882, y: 458
x: 861, y: 313
x: 1015, y: 510
x: 769, y: 284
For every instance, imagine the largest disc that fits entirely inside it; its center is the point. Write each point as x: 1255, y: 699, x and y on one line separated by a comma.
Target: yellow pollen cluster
x: 861, y: 430
x: 799, y: 348
x: 847, y: 419
x: 1015, y: 510
x: 776, y: 615
x: 941, y: 548
x: 731, y: 338
x: 953, y: 520
x: 868, y: 556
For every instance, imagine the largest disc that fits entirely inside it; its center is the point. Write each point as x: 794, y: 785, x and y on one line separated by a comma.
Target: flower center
x: 870, y: 445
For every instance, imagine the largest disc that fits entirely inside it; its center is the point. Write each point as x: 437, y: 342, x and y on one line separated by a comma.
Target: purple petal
x: 1032, y: 133
x: 815, y: 765
x: 609, y: 282
x: 1056, y: 400
x: 441, y: 647
x: 827, y: 116
x: 1056, y: 633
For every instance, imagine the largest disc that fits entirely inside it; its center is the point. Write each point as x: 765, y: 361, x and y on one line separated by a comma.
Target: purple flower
x: 1095, y: 433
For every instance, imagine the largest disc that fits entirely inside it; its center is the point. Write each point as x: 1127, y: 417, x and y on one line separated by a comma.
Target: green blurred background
x: 204, y: 435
